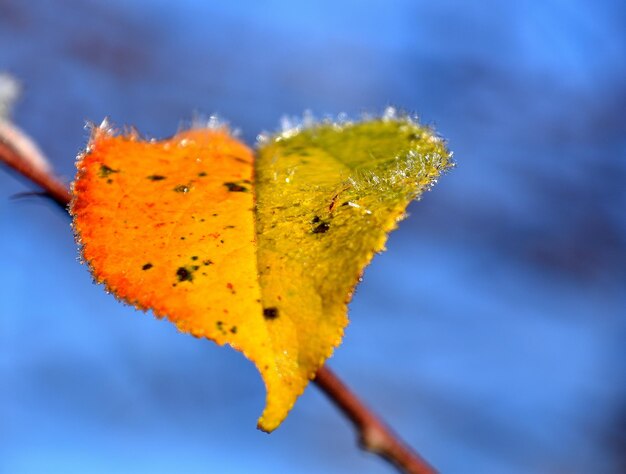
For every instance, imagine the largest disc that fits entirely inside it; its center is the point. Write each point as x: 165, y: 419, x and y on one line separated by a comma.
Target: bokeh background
x: 491, y: 334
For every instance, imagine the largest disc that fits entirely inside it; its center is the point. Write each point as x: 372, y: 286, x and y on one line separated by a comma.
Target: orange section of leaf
x: 169, y: 226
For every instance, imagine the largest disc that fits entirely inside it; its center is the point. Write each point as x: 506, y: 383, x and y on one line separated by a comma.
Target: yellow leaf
x: 170, y: 226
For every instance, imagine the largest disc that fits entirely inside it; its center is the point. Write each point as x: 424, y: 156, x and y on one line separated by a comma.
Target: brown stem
x: 10, y: 146
x: 374, y: 436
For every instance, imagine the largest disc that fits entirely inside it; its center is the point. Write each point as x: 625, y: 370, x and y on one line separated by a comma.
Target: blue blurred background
x: 491, y: 334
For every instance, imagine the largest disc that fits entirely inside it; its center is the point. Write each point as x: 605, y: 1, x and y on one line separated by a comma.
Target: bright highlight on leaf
x: 266, y: 264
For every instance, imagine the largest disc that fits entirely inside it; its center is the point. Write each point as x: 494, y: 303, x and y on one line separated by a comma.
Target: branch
x: 374, y: 436
x: 18, y: 152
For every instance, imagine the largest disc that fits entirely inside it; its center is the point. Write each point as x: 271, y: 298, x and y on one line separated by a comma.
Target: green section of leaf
x: 326, y: 198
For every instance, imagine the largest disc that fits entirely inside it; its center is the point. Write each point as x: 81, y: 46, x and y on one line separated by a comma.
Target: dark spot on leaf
x: 236, y: 158
x: 156, y: 177
x: 184, y: 274
x: 202, y: 174
x: 194, y: 257
x: 315, y: 220
x: 235, y: 188
x: 106, y: 171
x: 195, y: 267
x: 181, y: 188
x: 207, y: 263
x: 109, y: 181
x: 270, y: 313
x: 321, y: 228
x: 182, y: 238
x: 147, y: 266
x: 233, y: 329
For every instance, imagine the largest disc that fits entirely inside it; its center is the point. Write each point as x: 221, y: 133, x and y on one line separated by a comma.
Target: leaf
x: 170, y: 226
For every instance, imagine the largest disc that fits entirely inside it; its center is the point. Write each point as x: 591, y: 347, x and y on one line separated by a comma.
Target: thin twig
x: 10, y: 146
x: 374, y: 436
